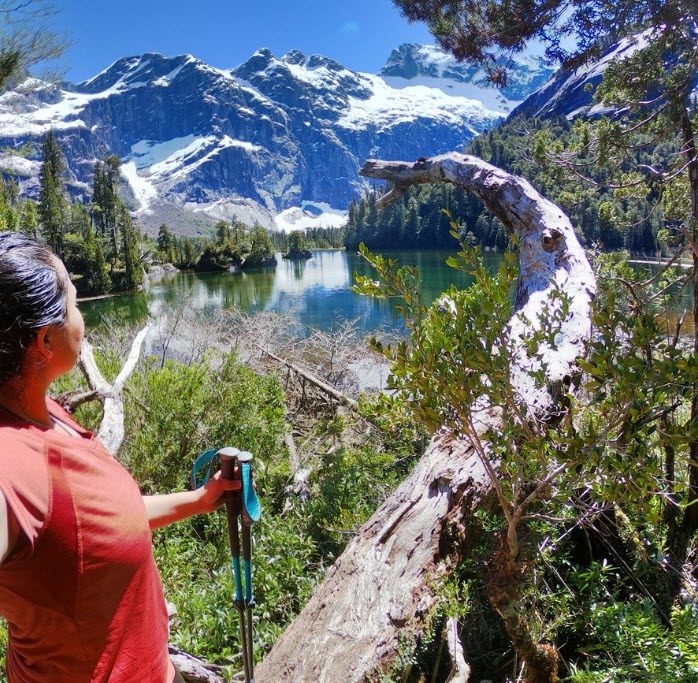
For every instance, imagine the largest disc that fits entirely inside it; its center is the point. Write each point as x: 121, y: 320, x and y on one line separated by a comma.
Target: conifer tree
x: 11, y: 218
x: 99, y: 279
x: 133, y: 276
x: 28, y: 220
x: 53, y: 203
x: 223, y: 233
x: 165, y: 239
x: 189, y: 255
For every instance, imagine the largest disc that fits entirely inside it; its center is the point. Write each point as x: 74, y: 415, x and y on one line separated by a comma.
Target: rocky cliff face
x: 273, y: 140
x: 570, y: 91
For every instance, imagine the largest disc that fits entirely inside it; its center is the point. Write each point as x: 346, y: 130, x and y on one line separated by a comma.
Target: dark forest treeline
x: 105, y: 251
x: 603, y: 217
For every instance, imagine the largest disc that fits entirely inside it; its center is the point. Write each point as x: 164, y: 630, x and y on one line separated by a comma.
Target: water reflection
x: 315, y: 290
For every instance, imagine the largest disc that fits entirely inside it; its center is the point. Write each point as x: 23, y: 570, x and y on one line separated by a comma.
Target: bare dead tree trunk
x: 379, y: 587
x: 111, y: 430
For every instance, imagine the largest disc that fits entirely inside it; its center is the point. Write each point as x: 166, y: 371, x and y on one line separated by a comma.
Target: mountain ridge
x: 260, y: 140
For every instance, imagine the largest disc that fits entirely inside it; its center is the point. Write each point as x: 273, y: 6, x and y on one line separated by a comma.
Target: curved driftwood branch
x: 379, y: 587
x: 551, y: 260
x: 111, y: 430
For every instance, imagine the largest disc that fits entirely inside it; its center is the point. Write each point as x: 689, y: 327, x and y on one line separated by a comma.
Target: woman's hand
x: 213, y: 491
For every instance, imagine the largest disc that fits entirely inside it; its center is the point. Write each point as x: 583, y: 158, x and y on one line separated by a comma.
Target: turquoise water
x: 316, y: 291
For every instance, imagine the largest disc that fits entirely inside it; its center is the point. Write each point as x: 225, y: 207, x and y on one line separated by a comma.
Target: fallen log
x: 315, y: 381
x: 193, y: 670
x: 379, y: 588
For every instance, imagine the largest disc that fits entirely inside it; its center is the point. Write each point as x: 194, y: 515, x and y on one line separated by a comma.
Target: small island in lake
x: 297, y: 246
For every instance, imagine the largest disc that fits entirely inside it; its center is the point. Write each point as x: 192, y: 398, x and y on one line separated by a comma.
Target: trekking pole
x: 233, y: 506
x: 244, y: 504
x: 250, y: 514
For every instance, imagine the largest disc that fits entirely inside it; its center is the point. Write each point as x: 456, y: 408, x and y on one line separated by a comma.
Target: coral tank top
x: 80, y: 592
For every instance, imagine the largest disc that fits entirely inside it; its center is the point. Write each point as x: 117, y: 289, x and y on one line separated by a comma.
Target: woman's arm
x: 9, y: 529
x: 173, y: 507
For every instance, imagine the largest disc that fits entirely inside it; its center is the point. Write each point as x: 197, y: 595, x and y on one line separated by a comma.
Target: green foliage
x: 632, y: 647
x: 297, y: 243
x: 53, y: 204
x: 261, y: 248
x: 539, y: 150
x: 451, y: 343
x: 194, y: 562
x: 192, y: 408
x: 623, y: 446
x: 28, y: 39
x: 348, y: 485
x: 219, y: 258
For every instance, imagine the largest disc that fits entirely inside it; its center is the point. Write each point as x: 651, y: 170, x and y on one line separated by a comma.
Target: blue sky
x: 358, y: 33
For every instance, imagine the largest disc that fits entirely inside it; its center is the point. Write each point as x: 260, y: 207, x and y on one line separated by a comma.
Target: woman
x: 78, y: 582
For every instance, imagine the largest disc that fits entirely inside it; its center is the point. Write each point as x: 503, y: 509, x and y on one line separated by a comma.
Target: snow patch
x: 142, y: 188
x: 310, y: 215
x: 490, y: 97
x: 388, y: 107
x: 164, y: 81
x: 148, y: 152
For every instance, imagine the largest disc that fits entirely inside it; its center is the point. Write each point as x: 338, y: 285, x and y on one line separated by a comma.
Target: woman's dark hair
x: 32, y: 296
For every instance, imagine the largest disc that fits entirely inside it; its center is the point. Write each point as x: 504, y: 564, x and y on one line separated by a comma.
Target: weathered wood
x: 193, y: 670
x: 111, y: 430
x: 460, y: 671
x: 316, y: 382
x: 380, y: 585
x: 300, y: 490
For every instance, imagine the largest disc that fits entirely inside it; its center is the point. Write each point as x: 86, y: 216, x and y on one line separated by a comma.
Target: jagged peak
x: 319, y: 61
x: 146, y: 67
x: 294, y: 57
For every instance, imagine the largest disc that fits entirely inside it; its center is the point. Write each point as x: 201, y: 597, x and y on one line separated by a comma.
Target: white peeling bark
x: 380, y: 585
x: 460, y: 671
x: 111, y: 430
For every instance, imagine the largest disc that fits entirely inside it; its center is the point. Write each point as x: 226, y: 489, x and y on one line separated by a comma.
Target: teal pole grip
x: 238, y: 579
x: 248, y: 581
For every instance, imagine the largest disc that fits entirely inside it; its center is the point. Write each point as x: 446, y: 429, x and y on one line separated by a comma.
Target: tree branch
x: 111, y: 431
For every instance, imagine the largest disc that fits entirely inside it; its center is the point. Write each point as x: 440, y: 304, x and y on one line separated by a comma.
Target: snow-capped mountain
x: 413, y: 65
x: 570, y: 91
x: 276, y: 140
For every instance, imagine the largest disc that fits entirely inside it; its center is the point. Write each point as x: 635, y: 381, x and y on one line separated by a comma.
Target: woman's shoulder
x: 24, y: 477
x: 19, y: 440
x: 59, y: 412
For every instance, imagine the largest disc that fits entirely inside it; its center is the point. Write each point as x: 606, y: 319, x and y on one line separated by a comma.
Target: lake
x: 316, y: 290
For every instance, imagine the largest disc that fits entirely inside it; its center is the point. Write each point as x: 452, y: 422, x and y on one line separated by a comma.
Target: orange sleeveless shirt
x: 81, y: 592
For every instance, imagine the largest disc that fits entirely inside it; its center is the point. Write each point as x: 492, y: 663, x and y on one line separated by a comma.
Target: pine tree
x: 105, y: 201
x: 223, y: 233
x: 100, y: 282
x: 53, y: 203
x: 133, y: 276
x: 261, y: 247
x: 28, y: 220
x: 189, y: 253
x: 98, y: 198
x: 165, y: 239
